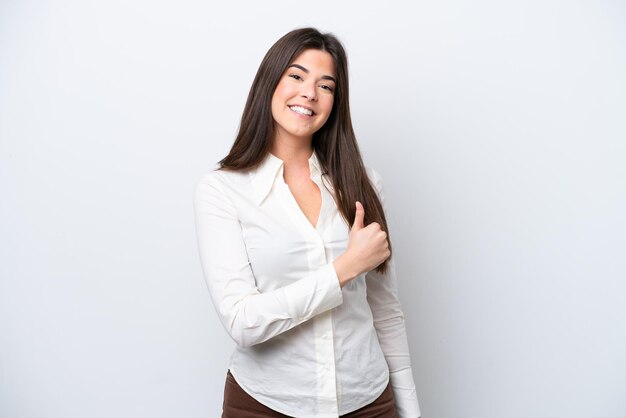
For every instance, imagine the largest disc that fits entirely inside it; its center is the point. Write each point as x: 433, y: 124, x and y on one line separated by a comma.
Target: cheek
x: 328, y: 105
x: 279, y: 98
x: 283, y: 91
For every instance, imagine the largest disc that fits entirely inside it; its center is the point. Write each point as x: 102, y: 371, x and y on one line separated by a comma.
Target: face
x: 303, y: 99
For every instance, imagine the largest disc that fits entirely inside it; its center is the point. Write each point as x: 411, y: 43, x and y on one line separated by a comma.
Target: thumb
x: 358, y: 217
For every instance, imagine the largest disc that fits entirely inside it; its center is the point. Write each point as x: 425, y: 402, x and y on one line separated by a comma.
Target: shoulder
x: 224, y: 179
x: 221, y: 184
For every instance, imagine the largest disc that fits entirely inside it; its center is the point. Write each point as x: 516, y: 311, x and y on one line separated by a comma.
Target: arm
x: 382, y: 295
x: 249, y: 316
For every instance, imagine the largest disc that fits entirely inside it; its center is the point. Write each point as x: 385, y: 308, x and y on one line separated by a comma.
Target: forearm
x: 257, y: 317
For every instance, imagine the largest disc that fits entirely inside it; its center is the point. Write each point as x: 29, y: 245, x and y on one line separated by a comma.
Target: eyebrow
x: 325, y: 77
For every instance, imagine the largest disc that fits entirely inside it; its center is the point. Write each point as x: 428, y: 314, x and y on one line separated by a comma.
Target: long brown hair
x: 335, y: 142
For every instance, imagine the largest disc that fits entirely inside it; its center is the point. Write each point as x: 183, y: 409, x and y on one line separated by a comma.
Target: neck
x: 295, y: 153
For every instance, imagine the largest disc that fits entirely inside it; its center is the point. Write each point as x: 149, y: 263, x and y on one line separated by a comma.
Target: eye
x: 327, y: 87
x: 295, y: 76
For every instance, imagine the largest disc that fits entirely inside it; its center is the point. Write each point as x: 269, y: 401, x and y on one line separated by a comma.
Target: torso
x: 278, y: 251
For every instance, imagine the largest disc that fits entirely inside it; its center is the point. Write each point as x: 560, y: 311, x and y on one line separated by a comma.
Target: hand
x: 367, y: 248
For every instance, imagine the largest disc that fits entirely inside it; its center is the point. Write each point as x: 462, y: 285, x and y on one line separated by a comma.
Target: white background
x: 499, y: 130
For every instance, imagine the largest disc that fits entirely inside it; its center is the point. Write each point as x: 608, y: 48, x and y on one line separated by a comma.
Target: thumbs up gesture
x: 367, y: 248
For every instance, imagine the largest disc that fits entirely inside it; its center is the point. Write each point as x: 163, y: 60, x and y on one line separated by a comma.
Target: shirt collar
x: 270, y: 170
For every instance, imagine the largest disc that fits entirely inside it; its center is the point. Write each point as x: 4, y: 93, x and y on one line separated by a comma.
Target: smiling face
x: 303, y: 99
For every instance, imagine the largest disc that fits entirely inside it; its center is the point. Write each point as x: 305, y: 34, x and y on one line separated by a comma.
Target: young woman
x: 295, y: 251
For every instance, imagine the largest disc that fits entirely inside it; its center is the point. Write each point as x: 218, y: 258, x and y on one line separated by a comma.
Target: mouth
x: 302, y: 111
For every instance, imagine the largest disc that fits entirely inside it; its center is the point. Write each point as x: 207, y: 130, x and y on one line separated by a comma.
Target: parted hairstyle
x: 335, y: 142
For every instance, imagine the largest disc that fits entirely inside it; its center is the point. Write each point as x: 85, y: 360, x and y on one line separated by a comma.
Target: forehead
x: 316, y: 61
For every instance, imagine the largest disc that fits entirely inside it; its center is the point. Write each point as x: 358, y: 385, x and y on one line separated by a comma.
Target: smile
x: 302, y: 111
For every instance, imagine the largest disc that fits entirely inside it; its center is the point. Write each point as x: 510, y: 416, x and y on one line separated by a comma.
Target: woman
x: 293, y: 245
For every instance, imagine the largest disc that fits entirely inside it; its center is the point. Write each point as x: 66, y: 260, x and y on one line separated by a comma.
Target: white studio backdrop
x: 498, y: 128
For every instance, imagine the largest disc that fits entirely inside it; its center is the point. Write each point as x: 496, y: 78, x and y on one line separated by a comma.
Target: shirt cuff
x: 310, y: 297
x: 405, y: 394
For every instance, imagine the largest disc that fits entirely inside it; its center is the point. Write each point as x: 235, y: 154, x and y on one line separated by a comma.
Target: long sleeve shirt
x: 305, y: 346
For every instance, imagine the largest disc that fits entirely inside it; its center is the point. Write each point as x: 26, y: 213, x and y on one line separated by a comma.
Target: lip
x: 300, y: 114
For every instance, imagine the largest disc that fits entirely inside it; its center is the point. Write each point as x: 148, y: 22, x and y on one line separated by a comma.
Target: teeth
x: 301, y: 110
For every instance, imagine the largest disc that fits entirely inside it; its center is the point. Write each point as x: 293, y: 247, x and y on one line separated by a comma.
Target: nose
x: 308, y: 91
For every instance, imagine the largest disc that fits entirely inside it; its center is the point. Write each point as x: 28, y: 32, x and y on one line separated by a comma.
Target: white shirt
x: 305, y: 346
